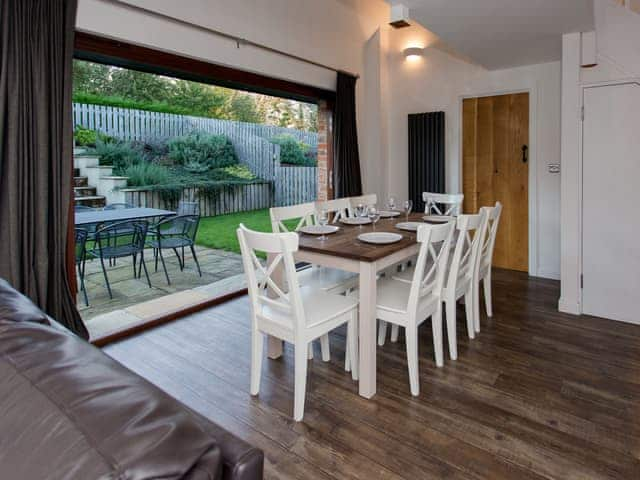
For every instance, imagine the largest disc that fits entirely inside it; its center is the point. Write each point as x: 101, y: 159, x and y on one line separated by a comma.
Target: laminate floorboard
x: 538, y: 394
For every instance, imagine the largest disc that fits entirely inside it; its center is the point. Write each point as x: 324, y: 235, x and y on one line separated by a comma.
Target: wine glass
x: 323, y: 220
x: 392, y: 203
x: 361, y: 212
x: 374, y: 215
x: 408, y: 205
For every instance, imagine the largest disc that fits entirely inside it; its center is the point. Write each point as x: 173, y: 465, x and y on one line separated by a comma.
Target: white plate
x: 409, y: 226
x: 389, y: 213
x: 380, y: 238
x: 355, y: 220
x: 319, y: 229
x: 437, y: 218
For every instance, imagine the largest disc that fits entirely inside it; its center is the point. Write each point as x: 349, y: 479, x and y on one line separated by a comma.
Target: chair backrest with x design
x: 305, y: 212
x: 337, y: 208
x: 493, y: 220
x: 431, y: 265
x: 264, y: 290
x: 442, y: 203
x: 471, y: 230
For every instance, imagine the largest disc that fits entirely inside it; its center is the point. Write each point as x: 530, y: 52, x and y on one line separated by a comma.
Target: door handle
x: 525, y: 150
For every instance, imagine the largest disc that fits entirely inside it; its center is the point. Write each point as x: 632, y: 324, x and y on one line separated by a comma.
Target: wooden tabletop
x: 345, y: 244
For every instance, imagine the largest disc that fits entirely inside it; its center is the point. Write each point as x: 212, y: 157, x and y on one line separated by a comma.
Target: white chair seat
x: 393, y: 296
x: 330, y: 280
x: 319, y: 307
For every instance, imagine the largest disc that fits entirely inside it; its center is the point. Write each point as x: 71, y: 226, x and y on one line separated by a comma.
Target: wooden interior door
x: 495, y: 167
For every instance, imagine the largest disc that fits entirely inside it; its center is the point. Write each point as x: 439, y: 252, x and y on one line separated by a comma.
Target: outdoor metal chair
x: 89, y: 228
x: 118, y: 206
x: 118, y: 240
x: 174, y: 233
x: 81, y: 236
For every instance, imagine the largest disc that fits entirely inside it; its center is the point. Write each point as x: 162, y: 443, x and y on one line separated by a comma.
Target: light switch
x: 554, y: 167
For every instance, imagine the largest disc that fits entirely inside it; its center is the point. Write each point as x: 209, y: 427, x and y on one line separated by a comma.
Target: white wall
x: 330, y: 32
x: 618, y: 56
x: 438, y: 81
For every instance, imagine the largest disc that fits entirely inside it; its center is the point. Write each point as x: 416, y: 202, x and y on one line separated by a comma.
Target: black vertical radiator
x: 426, y: 156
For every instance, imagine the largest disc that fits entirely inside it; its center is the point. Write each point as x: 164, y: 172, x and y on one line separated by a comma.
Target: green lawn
x: 220, y: 232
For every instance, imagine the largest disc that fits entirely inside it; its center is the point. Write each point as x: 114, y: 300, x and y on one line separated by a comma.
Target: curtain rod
x: 239, y: 40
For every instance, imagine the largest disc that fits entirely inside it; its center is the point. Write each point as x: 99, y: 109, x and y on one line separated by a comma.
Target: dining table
x: 118, y: 215
x: 343, y: 250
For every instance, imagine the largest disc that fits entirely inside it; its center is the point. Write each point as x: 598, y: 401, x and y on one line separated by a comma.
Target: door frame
x: 580, y: 183
x: 533, y: 165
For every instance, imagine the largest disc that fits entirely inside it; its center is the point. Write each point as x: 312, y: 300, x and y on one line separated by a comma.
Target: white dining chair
x: 366, y: 200
x: 442, y: 203
x: 485, y: 261
x: 330, y: 280
x: 338, y: 208
x: 459, y: 284
x: 409, y: 306
x: 299, y: 316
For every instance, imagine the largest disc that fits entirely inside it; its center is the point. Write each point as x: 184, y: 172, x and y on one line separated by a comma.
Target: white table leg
x: 274, y: 345
x: 367, y: 329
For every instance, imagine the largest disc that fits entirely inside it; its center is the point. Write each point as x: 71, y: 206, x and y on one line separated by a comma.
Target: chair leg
x: 300, y: 374
x: 468, y: 310
x: 411, y: 337
x: 310, y: 351
x: 352, y: 344
x: 395, y: 330
x: 82, y: 286
x: 257, y: 341
x: 347, y: 355
x: 106, y: 279
x: 382, y: 333
x: 436, y: 329
x: 195, y: 258
x: 324, y: 347
x: 155, y: 257
x: 180, y: 262
x: 144, y: 266
x: 164, y: 267
x: 451, y: 328
x: 476, y: 306
x: 134, y: 265
x: 486, y: 283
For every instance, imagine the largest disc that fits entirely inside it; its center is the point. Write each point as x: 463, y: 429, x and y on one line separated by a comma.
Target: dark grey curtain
x: 346, y: 162
x: 36, y: 148
x: 426, y: 156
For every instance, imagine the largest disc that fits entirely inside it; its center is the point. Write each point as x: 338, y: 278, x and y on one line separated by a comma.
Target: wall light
x: 413, y: 53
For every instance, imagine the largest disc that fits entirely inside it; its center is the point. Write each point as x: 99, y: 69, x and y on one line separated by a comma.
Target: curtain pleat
x: 36, y: 149
x: 426, y: 156
x: 346, y: 164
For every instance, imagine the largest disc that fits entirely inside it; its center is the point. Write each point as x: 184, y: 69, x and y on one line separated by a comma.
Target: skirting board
x: 572, y: 308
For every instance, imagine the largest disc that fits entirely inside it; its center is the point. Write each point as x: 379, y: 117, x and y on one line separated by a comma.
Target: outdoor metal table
x: 104, y: 216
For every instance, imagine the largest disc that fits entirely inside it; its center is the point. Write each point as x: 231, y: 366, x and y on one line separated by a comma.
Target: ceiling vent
x: 399, y: 16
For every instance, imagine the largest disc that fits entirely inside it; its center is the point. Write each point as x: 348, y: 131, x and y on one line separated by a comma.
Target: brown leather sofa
x: 68, y: 411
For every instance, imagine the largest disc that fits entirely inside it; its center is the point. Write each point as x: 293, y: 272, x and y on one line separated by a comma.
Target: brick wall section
x: 324, y: 121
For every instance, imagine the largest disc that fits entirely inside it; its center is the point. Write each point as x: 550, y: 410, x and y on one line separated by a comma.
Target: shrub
x: 199, y: 152
x: 85, y: 137
x: 120, y: 155
x: 145, y: 174
x: 292, y: 151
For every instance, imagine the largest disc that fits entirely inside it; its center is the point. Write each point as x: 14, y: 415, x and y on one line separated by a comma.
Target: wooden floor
x: 537, y: 395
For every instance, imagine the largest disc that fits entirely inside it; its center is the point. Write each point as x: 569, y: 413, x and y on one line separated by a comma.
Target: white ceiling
x: 503, y: 33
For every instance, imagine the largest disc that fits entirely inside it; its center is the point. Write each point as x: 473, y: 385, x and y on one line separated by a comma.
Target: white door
x: 611, y: 202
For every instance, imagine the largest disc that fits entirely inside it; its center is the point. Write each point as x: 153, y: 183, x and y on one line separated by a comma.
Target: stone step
x: 79, y: 181
x: 95, y: 201
x: 84, y: 191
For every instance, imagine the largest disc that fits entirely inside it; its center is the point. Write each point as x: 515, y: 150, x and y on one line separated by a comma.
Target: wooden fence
x: 131, y: 124
x: 239, y: 198
x: 251, y: 143
x: 295, y: 185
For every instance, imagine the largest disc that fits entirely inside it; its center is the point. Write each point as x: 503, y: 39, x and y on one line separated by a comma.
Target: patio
x: 133, y: 301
